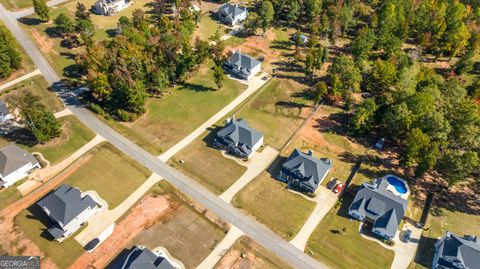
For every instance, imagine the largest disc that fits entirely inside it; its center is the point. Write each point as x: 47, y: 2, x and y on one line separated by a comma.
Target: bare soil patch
x: 46, y: 45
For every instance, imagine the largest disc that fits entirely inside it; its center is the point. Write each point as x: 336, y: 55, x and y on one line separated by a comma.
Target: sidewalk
x: 38, y: 177
x: 221, y: 249
x: 325, y: 201
x: 20, y: 79
x: 260, y: 162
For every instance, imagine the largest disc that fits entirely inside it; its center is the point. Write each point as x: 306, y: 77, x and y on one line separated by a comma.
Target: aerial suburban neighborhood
x: 215, y: 134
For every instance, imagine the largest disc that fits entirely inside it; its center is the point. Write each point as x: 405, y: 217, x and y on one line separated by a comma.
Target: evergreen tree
x: 41, y: 9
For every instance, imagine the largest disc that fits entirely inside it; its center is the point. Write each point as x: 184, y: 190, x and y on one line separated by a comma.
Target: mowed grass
x: 277, y: 111
x: 74, y: 136
x: 39, y: 87
x: 328, y: 243
x: 172, y: 117
x: 34, y: 222
x: 208, y: 27
x: 16, y: 4
x: 113, y: 175
x: 271, y: 203
x: 256, y: 254
x: 439, y: 221
x: 10, y: 194
x: 207, y: 165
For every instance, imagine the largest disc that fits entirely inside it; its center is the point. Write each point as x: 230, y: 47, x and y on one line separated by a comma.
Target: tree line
x: 10, y: 58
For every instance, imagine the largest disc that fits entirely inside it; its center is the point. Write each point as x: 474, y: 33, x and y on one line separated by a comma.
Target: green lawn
x: 113, y: 175
x: 329, y: 244
x: 207, y: 27
x: 10, y: 194
x: 16, y: 4
x: 277, y: 111
x: 438, y: 222
x: 272, y: 204
x: 207, y: 165
x: 39, y: 87
x: 33, y: 222
x: 172, y: 117
x: 74, y: 136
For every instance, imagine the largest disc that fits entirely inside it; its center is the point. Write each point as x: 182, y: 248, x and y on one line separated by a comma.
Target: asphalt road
x: 248, y: 225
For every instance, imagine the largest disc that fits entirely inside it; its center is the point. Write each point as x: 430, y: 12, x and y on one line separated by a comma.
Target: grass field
x: 172, y: 117
x: 438, y: 222
x: 74, y: 136
x: 187, y: 235
x: 272, y: 204
x: 113, y: 175
x: 39, y: 87
x: 207, y: 27
x: 329, y: 244
x: 207, y: 165
x: 10, y: 194
x: 253, y: 254
x: 16, y: 4
x: 34, y: 222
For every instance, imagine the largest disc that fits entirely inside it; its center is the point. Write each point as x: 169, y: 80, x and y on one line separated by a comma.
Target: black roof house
x: 143, y: 258
x: 303, y: 171
x: 455, y: 252
x: 238, y: 138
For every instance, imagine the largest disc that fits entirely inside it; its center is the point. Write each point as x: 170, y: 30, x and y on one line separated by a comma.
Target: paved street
x: 246, y: 224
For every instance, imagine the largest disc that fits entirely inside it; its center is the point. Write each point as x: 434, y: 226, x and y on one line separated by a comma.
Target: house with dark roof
x: 243, y: 65
x: 304, y: 172
x: 237, y: 138
x: 455, y: 252
x: 232, y: 14
x: 375, y: 205
x: 5, y: 114
x: 144, y: 258
x: 15, y: 164
x: 68, y: 209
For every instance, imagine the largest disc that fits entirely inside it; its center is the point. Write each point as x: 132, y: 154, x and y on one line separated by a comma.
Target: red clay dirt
x: 145, y: 214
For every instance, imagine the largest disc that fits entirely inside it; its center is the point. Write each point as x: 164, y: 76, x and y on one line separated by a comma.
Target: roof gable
x: 145, y: 259
x: 243, y: 61
x: 453, y: 249
x: 13, y: 158
x: 309, y: 168
x: 240, y: 133
x: 232, y: 10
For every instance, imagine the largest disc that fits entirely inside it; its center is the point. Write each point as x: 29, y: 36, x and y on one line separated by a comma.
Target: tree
x: 251, y: 24
x: 382, y: 76
x: 415, y: 145
x: 465, y: 64
x: 363, y: 118
x: 64, y: 24
x: 348, y: 73
x: 363, y: 43
x: 320, y: 92
x: 39, y: 120
x: 293, y: 12
x: 266, y: 13
x: 41, y: 9
x: 10, y: 58
x: 457, y: 165
x: 313, y: 8
x: 82, y: 13
x: 218, y: 76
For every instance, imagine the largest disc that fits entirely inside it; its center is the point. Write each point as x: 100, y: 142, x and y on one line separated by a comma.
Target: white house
x: 232, y: 13
x: 68, y: 209
x: 5, y: 114
x: 110, y: 7
x: 243, y: 65
x: 15, y: 164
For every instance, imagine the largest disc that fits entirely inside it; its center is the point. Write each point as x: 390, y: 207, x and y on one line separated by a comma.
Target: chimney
x: 228, y: 120
x: 310, y: 152
x: 233, y: 117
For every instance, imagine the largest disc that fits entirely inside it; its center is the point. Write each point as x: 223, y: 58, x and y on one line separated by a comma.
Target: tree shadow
x: 281, y: 44
x: 52, y: 32
x: 72, y: 71
x: 30, y: 21
x: 425, y: 251
x: 194, y: 87
x: 21, y: 136
x: 112, y: 32
x: 290, y: 105
x: 210, y: 138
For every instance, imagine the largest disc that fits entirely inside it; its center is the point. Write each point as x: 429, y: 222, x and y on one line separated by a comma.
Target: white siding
x: 75, y: 224
x: 18, y: 174
x: 258, y: 145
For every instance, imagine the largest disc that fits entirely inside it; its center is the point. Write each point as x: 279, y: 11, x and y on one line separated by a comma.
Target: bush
x: 97, y: 109
x: 123, y: 115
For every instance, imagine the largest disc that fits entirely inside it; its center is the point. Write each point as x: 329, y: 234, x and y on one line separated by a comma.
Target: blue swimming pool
x: 397, y: 184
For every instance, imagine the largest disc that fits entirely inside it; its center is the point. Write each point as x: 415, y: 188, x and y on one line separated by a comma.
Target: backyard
x: 16, y: 4
x: 113, y: 175
x: 271, y: 203
x: 39, y: 87
x: 337, y: 242
x: 74, y: 136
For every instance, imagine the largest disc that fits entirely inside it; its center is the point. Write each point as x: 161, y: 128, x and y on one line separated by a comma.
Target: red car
x: 339, y: 187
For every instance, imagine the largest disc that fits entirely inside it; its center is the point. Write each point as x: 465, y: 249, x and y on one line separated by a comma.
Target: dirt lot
x: 148, y: 212
x: 246, y: 254
x: 188, y: 236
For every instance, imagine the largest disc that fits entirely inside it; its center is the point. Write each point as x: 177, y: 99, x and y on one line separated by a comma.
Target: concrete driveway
x: 405, y: 251
x: 257, y: 163
x: 325, y: 200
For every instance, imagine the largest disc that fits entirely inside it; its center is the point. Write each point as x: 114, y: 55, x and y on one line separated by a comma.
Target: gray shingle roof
x: 66, y: 203
x: 378, y: 204
x: 311, y: 169
x: 240, y: 132
x: 12, y: 158
x: 3, y: 108
x: 243, y: 62
x: 457, y: 252
x: 145, y: 259
x: 231, y: 10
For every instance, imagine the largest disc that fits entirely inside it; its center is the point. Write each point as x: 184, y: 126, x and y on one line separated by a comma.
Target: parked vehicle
x: 380, y: 143
x: 332, y: 183
x: 407, y: 235
x: 339, y: 187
